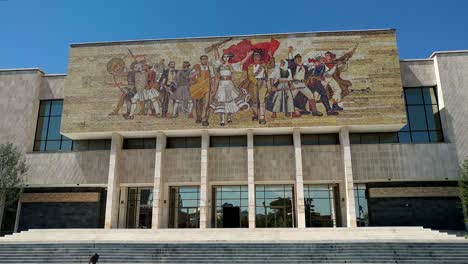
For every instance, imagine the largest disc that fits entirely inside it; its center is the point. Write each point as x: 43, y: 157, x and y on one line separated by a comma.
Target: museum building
x: 389, y: 157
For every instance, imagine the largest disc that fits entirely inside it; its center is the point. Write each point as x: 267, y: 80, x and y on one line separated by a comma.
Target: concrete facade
x: 344, y: 164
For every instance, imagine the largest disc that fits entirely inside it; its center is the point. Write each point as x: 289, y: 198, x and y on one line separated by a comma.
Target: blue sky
x: 37, y: 33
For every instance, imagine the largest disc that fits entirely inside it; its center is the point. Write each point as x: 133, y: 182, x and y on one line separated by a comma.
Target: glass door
x: 139, y: 207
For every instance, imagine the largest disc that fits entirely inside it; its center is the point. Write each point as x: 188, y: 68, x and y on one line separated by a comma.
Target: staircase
x: 321, y: 245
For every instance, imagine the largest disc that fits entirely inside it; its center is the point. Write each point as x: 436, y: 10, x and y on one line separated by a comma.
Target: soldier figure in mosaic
x: 182, y: 102
x: 151, y: 93
x: 116, y: 68
x: 201, y: 91
x: 257, y: 77
x: 168, y: 86
x: 316, y: 82
x: 281, y: 87
x: 228, y: 98
x: 301, y: 91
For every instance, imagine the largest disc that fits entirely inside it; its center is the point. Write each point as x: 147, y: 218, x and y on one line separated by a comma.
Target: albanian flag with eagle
x: 240, y: 50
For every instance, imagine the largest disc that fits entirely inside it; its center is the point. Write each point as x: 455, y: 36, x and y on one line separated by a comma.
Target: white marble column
x: 299, y: 187
x: 158, y: 181
x: 348, y: 211
x: 204, y: 192
x: 123, y: 207
x: 250, y: 177
x: 113, y: 184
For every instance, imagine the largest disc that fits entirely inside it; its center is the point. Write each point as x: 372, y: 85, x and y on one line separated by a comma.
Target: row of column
x: 113, y: 190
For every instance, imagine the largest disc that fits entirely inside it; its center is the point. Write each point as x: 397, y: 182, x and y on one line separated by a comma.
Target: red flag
x: 241, y: 49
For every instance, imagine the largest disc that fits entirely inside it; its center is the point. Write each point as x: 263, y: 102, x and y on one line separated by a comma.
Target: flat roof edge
x: 447, y: 52
x: 410, y: 60
x: 55, y: 75
x: 83, y: 44
x: 22, y: 69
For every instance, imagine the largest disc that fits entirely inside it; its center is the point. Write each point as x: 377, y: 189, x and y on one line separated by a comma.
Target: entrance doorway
x: 140, y: 207
x: 231, y: 217
x: 231, y: 206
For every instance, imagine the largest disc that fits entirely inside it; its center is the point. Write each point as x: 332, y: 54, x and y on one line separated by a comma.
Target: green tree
x: 12, y: 168
x: 463, y: 188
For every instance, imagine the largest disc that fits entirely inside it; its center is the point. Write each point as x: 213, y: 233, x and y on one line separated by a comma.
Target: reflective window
x: 274, y: 206
x: 320, y: 139
x: 319, y: 206
x: 48, y: 137
x: 273, y: 140
x: 360, y: 200
x: 373, y: 138
x: 228, y: 141
x: 232, y: 206
x: 184, y: 142
x: 139, y: 143
x: 423, y: 115
x: 185, y: 207
x: 139, y: 207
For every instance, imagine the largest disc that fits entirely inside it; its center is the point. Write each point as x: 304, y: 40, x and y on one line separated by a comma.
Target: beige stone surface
x: 80, y: 197
x: 113, y: 183
x: 275, y: 163
x: 374, y: 70
x: 52, y: 87
x: 452, y: 94
x: 417, y: 73
x: 404, y: 162
x: 227, y: 164
x: 182, y: 165
x: 413, y: 192
x: 322, y: 162
x: 19, y: 106
x: 137, y: 166
x: 84, y: 167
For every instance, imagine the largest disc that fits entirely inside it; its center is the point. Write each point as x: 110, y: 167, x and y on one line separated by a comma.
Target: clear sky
x: 37, y: 33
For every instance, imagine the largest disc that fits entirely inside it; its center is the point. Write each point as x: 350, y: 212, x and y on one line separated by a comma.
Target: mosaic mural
x: 340, y: 78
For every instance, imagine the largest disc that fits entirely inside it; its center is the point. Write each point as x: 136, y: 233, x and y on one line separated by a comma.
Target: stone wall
x: 52, y: 87
x: 19, y: 104
x: 417, y: 73
x: 402, y: 162
x: 274, y: 163
x: 322, y: 163
x: 85, y: 167
x: 227, y: 164
x: 181, y: 165
x: 137, y: 166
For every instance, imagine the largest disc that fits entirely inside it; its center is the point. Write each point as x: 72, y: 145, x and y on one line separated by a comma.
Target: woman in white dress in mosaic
x: 228, y: 99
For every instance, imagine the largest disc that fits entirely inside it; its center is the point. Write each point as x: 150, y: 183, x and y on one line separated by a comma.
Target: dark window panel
x: 39, y: 145
x: 238, y: 141
x: 133, y: 143
x: 309, y: 139
x: 433, y: 117
x: 56, y: 108
x: 193, y: 142
x: 388, y: 138
x: 53, y: 133
x: 219, y: 141
x: 44, y: 108
x: 369, y: 139
x: 328, y: 139
x: 417, y: 117
x: 80, y: 145
x: 404, y: 137
x: 66, y: 145
x: 176, y: 143
x: 436, y: 136
x: 420, y: 137
x: 97, y: 144
x: 355, y: 138
x: 283, y: 140
x: 53, y: 145
x: 41, y: 129
x: 263, y: 141
x: 413, y: 96
x: 149, y: 143
x: 108, y: 144
x: 429, y: 95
